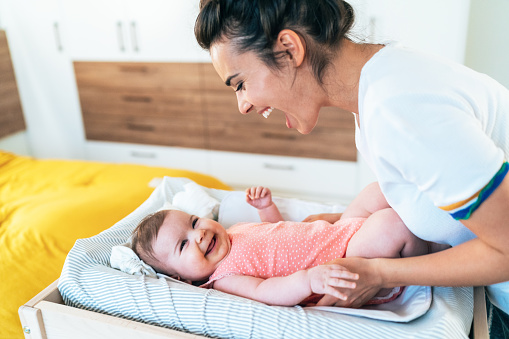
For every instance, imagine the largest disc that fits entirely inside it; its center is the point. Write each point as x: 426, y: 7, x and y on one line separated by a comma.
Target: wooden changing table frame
x: 47, y: 317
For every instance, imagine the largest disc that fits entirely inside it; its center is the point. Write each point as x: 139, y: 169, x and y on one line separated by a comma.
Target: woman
x: 435, y: 133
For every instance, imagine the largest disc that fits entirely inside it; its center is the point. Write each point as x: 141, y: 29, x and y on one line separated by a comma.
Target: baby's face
x: 190, y: 247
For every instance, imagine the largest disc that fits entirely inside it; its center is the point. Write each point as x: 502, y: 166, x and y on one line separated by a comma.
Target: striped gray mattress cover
x: 88, y: 282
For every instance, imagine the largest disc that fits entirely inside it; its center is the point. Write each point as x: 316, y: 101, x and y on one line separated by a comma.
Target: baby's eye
x: 184, y: 242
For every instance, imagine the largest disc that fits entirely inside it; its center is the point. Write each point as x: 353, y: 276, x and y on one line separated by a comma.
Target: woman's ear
x: 292, y: 43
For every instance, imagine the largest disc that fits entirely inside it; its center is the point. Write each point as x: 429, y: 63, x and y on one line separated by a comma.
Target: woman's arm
x: 289, y: 290
x: 481, y: 261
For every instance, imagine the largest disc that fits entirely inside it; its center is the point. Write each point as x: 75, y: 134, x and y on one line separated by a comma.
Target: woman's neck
x: 342, y: 80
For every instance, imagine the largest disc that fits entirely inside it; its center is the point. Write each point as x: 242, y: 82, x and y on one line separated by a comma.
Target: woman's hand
x: 365, y: 287
x: 326, y: 279
x: 329, y: 217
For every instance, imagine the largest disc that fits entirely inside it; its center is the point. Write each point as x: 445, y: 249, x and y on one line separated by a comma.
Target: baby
x: 275, y: 262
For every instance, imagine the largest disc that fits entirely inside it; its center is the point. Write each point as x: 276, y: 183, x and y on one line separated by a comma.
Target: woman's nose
x: 244, y: 105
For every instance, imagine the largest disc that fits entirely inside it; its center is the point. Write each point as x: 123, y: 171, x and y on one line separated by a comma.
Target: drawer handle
x: 133, y: 69
x: 136, y: 98
x: 148, y: 155
x: 139, y: 127
x: 280, y: 136
x: 278, y: 167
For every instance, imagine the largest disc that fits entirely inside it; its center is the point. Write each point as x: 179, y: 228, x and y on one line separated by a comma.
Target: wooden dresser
x: 187, y: 105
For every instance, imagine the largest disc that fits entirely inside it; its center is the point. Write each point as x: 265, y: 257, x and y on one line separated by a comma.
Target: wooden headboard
x: 11, y: 114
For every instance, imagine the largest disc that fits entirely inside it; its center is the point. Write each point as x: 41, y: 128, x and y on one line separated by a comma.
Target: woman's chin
x: 304, y: 129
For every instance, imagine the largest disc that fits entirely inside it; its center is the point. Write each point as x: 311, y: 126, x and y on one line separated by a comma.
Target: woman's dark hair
x: 254, y: 25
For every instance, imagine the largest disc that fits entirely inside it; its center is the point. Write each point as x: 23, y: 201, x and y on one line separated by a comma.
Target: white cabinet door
x: 435, y: 26
x: 163, y: 30
x: 95, y: 29
x: 134, y: 30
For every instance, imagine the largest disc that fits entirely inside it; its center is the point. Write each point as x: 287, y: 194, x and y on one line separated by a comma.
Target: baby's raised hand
x: 259, y: 197
x: 324, y: 279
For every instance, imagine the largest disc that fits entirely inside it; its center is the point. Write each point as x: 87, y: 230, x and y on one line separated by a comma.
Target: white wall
x: 15, y: 143
x: 488, y: 39
x: 44, y: 76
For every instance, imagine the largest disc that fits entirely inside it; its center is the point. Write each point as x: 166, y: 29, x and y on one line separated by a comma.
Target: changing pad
x: 88, y: 282
x: 411, y: 304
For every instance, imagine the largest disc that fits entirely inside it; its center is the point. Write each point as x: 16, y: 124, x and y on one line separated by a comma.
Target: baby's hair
x: 254, y: 25
x: 144, y: 235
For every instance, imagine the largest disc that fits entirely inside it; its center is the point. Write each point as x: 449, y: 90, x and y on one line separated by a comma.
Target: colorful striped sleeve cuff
x: 464, y: 209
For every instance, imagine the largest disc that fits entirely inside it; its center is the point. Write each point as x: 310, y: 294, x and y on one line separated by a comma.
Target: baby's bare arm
x: 261, y: 198
x: 292, y: 289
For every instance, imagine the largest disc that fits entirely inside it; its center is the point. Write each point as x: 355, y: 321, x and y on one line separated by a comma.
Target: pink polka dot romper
x: 267, y: 250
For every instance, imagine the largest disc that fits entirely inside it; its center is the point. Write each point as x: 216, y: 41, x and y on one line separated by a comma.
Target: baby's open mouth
x: 211, y: 245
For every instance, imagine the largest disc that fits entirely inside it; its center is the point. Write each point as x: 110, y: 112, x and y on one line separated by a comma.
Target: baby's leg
x: 384, y: 235
x: 369, y: 201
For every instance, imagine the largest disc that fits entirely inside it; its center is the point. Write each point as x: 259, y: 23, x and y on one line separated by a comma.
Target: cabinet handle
x: 58, y: 41
x: 134, y: 37
x: 140, y: 127
x: 280, y: 136
x: 136, y: 98
x: 120, y: 37
x: 139, y: 154
x: 279, y: 167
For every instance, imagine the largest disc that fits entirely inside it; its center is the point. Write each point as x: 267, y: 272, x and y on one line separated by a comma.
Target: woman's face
x: 292, y: 90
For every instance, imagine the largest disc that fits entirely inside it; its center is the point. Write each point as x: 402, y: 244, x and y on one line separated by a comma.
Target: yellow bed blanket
x: 45, y: 205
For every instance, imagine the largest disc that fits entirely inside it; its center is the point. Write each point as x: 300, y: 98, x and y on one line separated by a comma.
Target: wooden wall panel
x: 187, y: 105
x: 332, y: 138
x: 11, y: 113
x: 145, y: 103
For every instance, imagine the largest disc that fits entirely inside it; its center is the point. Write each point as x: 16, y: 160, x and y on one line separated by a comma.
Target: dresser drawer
x: 156, y: 76
x: 145, y: 130
x: 171, y: 157
x: 121, y: 102
x: 293, y: 176
x: 322, y: 143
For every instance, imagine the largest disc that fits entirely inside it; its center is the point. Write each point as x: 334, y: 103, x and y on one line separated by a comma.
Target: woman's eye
x: 240, y: 86
x: 193, y: 224
x: 184, y: 242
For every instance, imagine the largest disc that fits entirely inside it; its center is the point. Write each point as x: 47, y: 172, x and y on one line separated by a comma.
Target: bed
x: 91, y: 299
x: 45, y: 205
